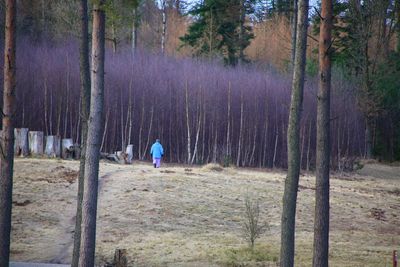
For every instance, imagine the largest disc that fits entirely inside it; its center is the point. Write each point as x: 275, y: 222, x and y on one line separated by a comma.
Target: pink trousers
x: 157, y: 162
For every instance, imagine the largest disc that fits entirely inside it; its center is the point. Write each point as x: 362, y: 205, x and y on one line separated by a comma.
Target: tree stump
x: 120, y: 258
x: 76, y: 151
x: 36, y: 143
x: 21, y: 145
x: 53, y: 146
x: 121, y: 157
x: 67, y: 146
x: 129, y: 153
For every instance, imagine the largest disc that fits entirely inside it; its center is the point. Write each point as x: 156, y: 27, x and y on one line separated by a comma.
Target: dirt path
x: 30, y: 264
x: 69, y: 225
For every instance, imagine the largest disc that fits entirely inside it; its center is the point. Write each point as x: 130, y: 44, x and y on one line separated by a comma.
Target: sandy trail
x: 180, y: 216
x: 69, y: 225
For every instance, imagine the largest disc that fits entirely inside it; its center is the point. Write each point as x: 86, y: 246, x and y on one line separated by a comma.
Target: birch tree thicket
x: 321, y: 221
x: 84, y: 117
x: 94, y: 139
x: 288, y: 220
x: 7, y: 134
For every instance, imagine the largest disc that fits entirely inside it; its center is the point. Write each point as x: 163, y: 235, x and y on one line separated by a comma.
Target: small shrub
x: 227, y: 160
x: 252, y: 226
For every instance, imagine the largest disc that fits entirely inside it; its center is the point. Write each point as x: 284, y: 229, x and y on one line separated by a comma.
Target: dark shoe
x: 155, y: 166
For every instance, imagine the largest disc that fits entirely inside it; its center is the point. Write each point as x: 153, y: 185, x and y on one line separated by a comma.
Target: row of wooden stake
x: 34, y: 143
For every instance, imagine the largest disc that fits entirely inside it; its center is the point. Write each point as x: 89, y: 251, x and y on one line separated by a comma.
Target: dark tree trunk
x: 293, y: 138
x: 85, y: 109
x: 368, y: 138
x: 94, y: 138
x: 7, y: 134
x: 397, y: 4
x: 321, y: 223
x: 242, y: 18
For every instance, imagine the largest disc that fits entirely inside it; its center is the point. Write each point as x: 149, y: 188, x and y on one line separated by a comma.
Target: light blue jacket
x: 157, y: 150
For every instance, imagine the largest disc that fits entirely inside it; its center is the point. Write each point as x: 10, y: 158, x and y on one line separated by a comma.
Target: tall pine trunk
x: 288, y: 219
x: 94, y: 138
x: 321, y: 222
x: 7, y: 136
x: 85, y: 109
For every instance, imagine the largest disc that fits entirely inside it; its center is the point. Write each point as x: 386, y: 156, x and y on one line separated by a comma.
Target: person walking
x: 157, y: 152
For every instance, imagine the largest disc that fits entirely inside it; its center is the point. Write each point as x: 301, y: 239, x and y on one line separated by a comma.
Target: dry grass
x: 176, y: 216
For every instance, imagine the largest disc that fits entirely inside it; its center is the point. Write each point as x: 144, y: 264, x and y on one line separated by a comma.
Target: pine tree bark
x: 85, y: 110
x: 7, y: 134
x: 288, y: 219
x: 94, y: 138
x: 321, y: 222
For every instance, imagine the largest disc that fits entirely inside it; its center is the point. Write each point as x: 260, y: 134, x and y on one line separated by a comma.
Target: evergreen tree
x: 220, y: 29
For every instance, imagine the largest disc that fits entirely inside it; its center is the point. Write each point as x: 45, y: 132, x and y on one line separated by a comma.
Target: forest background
x: 209, y: 100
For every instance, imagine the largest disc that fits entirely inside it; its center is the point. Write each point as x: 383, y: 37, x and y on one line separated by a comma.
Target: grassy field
x: 193, y: 216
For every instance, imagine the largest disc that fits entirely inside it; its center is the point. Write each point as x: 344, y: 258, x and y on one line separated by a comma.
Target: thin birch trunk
x: 187, y: 124
x: 149, y: 133
x: 134, y: 29
x: 309, y: 146
x: 67, y: 102
x: 122, y: 123
x: 105, y: 130
x: 303, y: 137
x: 228, y: 141
x: 197, y: 134
x: 46, y: 120
x: 240, y: 130
x: 141, y: 129
x: 275, y: 145
x: 251, y: 160
x: 203, y: 135
x: 164, y: 26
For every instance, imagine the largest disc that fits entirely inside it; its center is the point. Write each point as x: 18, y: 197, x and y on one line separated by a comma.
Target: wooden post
x: 129, y: 153
x: 53, y: 146
x: 120, y: 259
x: 66, y: 145
x: 36, y: 143
x: 21, y: 146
